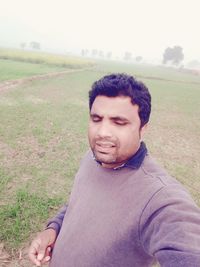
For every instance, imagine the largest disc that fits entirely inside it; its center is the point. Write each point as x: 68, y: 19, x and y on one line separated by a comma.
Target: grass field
x: 11, y: 69
x: 43, y: 135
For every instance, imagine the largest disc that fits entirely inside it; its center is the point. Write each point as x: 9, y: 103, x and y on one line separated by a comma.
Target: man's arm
x: 170, y: 228
x: 42, y: 245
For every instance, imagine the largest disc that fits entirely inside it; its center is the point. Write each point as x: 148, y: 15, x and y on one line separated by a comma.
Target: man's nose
x: 104, y: 130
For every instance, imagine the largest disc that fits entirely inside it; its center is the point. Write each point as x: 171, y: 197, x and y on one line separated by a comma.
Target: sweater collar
x: 135, y: 161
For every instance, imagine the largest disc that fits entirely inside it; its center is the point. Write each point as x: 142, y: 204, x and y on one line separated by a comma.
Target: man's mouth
x: 105, y: 144
x: 104, y: 147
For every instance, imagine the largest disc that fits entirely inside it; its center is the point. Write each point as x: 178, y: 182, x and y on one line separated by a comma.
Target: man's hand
x: 40, y: 249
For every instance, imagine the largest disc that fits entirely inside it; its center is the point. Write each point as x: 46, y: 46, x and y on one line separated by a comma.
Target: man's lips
x: 104, y: 147
x: 105, y: 144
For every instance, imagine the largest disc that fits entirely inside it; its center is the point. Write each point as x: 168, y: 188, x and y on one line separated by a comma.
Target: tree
x: 109, y: 55
x: 127, y: 56
x: 138, y: 58
x: 23, y: 45
x: 175, y: 55
x: 94, y: 52
x: 35, y: 45
x: 101, y: 54
x: 84, y: 52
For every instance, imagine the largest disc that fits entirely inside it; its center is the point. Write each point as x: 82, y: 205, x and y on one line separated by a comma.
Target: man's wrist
x: 53, y: 226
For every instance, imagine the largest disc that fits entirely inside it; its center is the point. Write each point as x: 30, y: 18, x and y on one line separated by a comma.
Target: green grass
x: 43, y: 135
x: 23, y: 215
x: 4, y: 179
x: 10, y: 69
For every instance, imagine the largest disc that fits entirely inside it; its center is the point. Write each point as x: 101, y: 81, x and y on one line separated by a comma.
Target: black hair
x: 121, y: 84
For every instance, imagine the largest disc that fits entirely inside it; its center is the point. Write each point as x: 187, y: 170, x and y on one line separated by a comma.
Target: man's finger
x: 46, y: 259
x: 40, y: 256
x: 33, y: 253
x: 41, y: 252
x: 47, y: 255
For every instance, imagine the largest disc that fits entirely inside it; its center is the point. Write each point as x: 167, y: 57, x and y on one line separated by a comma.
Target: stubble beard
x: 105, y: 150
x: 105, y: 158
x: 109, y: 158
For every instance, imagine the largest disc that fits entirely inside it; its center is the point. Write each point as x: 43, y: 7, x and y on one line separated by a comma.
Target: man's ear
x: 143, y: 131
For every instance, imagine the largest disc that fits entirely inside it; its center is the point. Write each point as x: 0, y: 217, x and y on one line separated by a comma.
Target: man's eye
x: 121, y: 123
x: 96, y: 119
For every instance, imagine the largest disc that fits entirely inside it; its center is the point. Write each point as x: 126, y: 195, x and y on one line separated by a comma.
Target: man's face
x: 114, y: 130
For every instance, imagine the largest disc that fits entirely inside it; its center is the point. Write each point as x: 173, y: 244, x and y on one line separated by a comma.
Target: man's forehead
x: 120, y: 106
x: 117, y: 101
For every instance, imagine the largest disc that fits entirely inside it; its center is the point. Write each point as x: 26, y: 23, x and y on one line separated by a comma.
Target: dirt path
x: 7, y: 85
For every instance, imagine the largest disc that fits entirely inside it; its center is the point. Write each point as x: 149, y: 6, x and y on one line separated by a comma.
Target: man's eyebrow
x: 95, y: 115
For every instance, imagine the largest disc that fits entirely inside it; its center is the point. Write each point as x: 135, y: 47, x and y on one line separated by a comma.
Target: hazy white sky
x: 143, y: 27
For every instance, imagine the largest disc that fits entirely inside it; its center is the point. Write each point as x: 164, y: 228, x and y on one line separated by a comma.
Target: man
x: 124, y: 210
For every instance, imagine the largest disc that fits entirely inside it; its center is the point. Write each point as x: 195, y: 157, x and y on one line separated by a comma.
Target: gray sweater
x: 126, y: 218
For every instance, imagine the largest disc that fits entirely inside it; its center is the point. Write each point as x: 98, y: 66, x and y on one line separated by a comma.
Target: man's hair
x: 121, y: 84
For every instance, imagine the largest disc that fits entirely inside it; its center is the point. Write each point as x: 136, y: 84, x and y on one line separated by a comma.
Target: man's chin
x: 109, y: 164
x: 104, y: 158
x: 107, y: 160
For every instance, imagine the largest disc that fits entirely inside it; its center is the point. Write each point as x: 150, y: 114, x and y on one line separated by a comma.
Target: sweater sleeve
x: 56, y: 222
x: 170, y: 228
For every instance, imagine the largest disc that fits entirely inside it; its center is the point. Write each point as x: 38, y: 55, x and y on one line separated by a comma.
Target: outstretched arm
x: 170, y: 228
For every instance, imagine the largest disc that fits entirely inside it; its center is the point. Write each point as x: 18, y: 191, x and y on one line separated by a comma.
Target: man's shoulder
x: 151, y: 168
x: 160, y: 182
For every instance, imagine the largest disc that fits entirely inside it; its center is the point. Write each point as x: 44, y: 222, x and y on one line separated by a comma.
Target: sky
x: 143, y: 27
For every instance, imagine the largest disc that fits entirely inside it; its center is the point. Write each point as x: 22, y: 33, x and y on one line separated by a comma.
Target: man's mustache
x: 105, y: 142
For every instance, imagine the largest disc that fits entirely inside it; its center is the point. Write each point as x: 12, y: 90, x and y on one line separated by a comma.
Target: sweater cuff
x: 55, y: 226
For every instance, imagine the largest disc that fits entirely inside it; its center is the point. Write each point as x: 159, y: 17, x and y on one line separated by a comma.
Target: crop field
x: 43, y: 136
x: 16, y: 63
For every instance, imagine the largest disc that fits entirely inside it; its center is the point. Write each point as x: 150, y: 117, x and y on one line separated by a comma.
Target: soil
x: 18, y: 259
